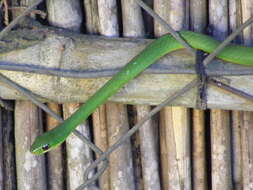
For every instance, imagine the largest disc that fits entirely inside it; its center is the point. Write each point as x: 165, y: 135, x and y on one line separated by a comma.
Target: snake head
x: 47, y: 141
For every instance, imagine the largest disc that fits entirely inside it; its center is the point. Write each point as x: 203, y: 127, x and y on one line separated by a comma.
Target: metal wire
x: 100, y: 73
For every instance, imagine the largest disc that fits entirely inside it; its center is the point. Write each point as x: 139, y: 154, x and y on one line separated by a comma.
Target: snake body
x: 232, y: 53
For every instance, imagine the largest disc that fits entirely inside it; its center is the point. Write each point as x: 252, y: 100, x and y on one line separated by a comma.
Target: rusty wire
x: 189, y: 86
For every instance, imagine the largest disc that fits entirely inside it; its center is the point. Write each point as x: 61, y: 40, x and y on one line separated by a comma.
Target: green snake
x: 232, y: 53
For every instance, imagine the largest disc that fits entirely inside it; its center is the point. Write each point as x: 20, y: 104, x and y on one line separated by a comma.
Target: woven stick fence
x: 178, y: 179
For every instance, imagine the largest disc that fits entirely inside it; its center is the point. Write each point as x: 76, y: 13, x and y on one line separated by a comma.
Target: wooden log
x: 247, y: 150
x: 57, y: 10
x: 121, y: 165
x: 79, y: 156
x: 1, y: 153
x: 180, y: 144
x: 220, y: 124
x: 99, y: 116
x: 235, y: 20
x: 247, y: 128
x: 55, y: 158
x: 101, y: 140
x: 198, y: 23
x: 220, y: 150
x: 145, y: 89
x: 123, y: 156
x: 10, y: 181
x: 237, y: 124
x: 31, y: 172
x: 149, y: 150
x: 133, y: 26
x: 199, y: 151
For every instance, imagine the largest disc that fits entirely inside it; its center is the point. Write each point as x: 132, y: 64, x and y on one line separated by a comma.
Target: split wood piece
x: 121, y: 165
x: 237, y: 125
x: 199, y: 151
x: 180, y: 162
x: 79, y: 156
x: 198, y: 23
x: 221, y: 150
x: 110, y: 27
x: 31, y: 172
x: 146, y: 140
x: 1, y: 153
x: 57, y: 11
x: 99, y: 116
x: 220, y: 119
x: 247, y: 128
x: 55, y: 158
x: 9, y: 168
x: 101, y: 140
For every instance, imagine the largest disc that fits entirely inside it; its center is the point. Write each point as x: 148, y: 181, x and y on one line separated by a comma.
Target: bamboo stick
x: 235, y: 19
x: 55, y: 157
x: 220, y: 124
x: 198, y: 23
x: 122, y: 156
x: 9, y: 150
x: 31, y: 172
x: 79, y: 156
x: 99, y: 116
x: 237, y: 123
x: 30, y: 169
x: 101, y: 139
x: 220, y: 150
x: 199, y: 153
x: 247, y: 150
x: 1, y: 129
x: 133, y: 26
x: 1, y: 153
x: 178, y: 174
x: 57, y: 10
x: 247, y: 128
x: 121, y: 165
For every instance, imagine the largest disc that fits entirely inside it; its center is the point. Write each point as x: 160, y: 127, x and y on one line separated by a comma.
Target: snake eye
x: 45, y: 147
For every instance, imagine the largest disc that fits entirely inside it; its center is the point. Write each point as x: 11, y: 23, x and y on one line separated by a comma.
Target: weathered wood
x: 123, y: 156
x: 146, y: 89
x: 220, y: 150
x: 1, y: 153
x: 57, y: 10
x: 235, y: 20
x: 55, y: 157
x: 30, y: 168
x: 79, y: 156
x: 237, y: 124
x: 133, y: 26
x: 99, y: 116
x: 198, y: 151
x: 198, y: 23
x: 247, y: 128
x: 149, y: 150
x: 9, y: 150
x: 180, y: 144
x: 220, y: 124
x: 121, y: 166
x: 101, y: 139
x: 247, y: 150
